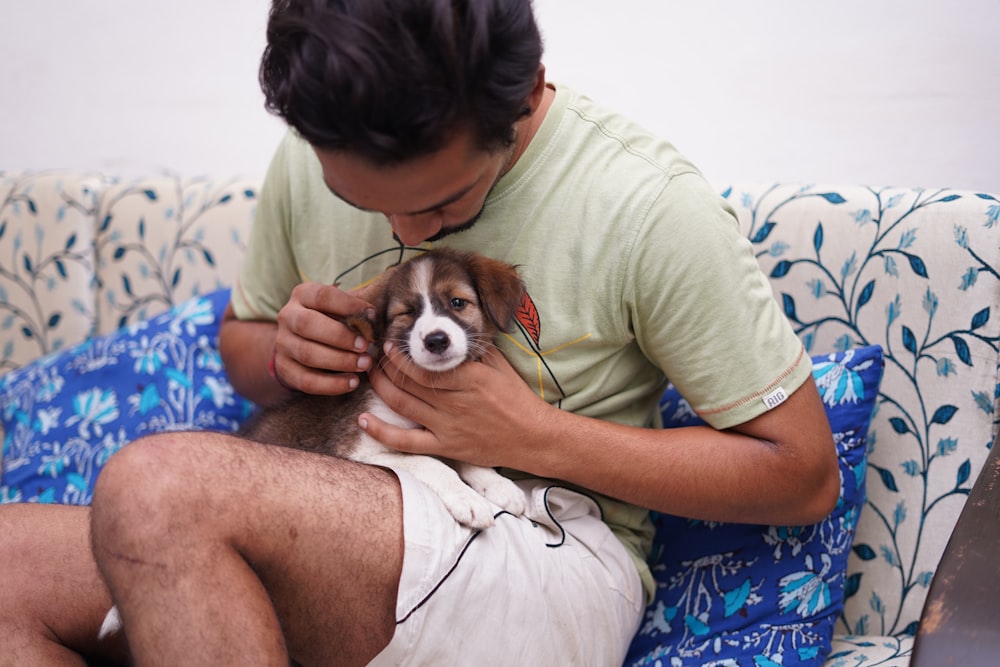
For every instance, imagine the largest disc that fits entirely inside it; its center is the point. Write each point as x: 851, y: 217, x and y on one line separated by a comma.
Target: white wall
x: 887, y: 92
x: 133, y: 85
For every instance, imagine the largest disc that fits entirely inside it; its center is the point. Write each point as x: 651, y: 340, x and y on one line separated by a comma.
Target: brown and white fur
x: 441, y: 308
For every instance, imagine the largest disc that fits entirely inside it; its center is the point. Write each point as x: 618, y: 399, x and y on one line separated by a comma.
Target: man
x: 432, y: 120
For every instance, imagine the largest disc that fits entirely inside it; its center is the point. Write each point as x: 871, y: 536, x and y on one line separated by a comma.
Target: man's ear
x: 500, y: 289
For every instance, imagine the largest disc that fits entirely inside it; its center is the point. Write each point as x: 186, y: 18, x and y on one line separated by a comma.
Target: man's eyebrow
x: 441, y: 204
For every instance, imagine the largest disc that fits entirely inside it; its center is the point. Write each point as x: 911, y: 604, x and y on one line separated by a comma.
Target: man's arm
x: 780, y: 468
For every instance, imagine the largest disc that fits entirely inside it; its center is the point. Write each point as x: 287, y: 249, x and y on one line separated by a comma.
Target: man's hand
x: 314, y: 351
x: 308, y: 349
x: 481, y: 412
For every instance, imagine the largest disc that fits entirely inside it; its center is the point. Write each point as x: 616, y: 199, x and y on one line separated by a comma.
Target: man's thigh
x: 323, y: 535
x: 552, y: 587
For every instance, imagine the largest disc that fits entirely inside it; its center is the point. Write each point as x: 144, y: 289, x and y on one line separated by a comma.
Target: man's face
x: 423, y: 199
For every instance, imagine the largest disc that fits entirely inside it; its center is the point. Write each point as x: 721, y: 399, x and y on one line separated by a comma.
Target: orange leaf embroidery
x: 527, y: 315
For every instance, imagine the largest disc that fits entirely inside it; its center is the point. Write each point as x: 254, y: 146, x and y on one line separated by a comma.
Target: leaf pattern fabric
x: 914, y: 271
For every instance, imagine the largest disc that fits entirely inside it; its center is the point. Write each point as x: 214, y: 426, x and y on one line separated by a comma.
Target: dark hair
x: 391, y: 80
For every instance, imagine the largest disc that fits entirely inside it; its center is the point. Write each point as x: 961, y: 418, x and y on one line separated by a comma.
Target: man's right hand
x: 308, y: 349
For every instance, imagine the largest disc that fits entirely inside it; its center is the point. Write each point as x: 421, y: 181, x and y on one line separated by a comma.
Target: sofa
x: 912, y: 273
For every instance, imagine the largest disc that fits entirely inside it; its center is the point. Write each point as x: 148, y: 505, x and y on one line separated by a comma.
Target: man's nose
x: 413, y: 230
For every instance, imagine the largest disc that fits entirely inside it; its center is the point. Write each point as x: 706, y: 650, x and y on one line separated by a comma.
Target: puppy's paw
x: 495, y: 487
x: 505, y: 493
x: 469, y: 508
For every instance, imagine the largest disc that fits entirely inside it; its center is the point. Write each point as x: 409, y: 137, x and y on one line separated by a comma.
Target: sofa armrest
x: 960, y: 623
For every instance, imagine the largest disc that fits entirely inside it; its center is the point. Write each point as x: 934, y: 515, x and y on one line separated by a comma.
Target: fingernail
x: 370, y: 314
x: 387, y: 348
x: 364, y: 362
x: 363, y: 423
x: 360, y: 343
x: 353, y: 383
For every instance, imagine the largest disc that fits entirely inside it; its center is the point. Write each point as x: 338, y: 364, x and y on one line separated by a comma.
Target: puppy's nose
x: 436, y: 342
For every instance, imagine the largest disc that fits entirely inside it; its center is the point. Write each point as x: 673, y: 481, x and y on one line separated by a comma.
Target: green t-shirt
x: 636, y: 270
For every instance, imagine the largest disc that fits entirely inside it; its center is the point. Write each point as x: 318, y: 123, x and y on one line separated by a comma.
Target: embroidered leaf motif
x: 866, y: 295
x: 888, y: 479
x: 962, y: 350
x: 981, y: 318
x: 852, y: 584
x: 864, y: 552
x: 527, y: 315
x: 788, y: 303
x: 781, y: 269
x: 944, y: 414
x: 917, y: 265
x: 964, y: 472
x: 763, y: 233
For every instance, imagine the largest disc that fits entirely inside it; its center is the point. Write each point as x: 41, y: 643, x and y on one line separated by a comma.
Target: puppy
x: 441, y: 308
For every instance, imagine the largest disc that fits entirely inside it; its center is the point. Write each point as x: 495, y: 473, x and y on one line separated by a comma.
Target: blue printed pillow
x: 758, y: 596
x: 65, y: 414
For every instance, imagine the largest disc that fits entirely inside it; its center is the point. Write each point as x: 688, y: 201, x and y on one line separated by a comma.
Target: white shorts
x: 554, y: 587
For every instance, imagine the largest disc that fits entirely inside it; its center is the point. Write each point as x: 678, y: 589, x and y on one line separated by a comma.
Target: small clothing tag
x: 775, y: 398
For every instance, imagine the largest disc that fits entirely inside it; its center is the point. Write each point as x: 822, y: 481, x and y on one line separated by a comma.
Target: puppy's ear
x: 377, y: 294
x: 500, y: 289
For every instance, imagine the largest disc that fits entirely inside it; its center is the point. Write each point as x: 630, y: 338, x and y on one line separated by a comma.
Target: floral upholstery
x: 914, y: 271
x: 163, y: 240
x: 83, y: 254
x: 47, y: 270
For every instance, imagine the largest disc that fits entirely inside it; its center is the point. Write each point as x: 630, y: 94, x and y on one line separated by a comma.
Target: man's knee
x: 144, y: 488
x: 141, y: 470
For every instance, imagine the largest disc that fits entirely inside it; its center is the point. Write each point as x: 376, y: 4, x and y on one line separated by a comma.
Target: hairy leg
x: 52, y: 599
x: 222, y: 551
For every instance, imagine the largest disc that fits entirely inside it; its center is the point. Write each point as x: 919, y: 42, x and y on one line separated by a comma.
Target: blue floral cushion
x: 66, y: 413
x: 751, y: 595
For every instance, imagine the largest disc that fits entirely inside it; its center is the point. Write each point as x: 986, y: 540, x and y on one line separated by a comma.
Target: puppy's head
x: 445, y: 306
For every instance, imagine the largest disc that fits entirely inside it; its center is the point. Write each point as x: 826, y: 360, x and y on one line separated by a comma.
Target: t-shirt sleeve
x: 705, y: 313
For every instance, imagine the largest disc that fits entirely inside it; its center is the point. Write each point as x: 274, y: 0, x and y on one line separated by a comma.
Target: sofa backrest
x: 915, y: 271
x: 82, y: 254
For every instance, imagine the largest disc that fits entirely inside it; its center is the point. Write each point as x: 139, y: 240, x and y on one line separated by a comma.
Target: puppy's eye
x: 458, y: 303
x: 401, y: 310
